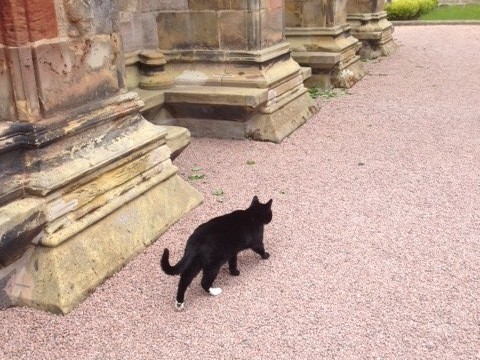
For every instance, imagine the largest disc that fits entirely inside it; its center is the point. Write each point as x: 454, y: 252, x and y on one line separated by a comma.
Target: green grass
x: 454, y: 12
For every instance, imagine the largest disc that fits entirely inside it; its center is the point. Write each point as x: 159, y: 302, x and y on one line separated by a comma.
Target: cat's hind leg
x: 232, y: 265
x: 209, y: 275
x: 185, y: 280
x: 260, y: 250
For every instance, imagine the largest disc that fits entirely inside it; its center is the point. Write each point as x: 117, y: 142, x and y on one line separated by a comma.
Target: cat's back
x: 220, y: 228
x: 222, y: 223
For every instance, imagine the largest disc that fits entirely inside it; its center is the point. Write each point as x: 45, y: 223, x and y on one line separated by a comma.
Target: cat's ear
x: 255, y: 201
x: 269, y: 203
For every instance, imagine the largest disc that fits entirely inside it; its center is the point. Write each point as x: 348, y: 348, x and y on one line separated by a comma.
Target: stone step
x: 216, y: 95
x: 151, y: 98
x: 317, y: 59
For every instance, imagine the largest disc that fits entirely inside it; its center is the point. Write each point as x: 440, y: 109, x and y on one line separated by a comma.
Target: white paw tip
x: 179, y: 306
x: 214, y: 291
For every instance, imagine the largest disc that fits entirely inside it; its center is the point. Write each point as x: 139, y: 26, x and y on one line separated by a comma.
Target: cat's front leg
x: 232, y: 265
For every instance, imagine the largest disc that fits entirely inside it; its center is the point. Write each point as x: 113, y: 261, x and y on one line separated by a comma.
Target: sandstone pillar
x: 320, y: 38
x: 370, y: 25
x: 233, y: 73
x: 85, y: 181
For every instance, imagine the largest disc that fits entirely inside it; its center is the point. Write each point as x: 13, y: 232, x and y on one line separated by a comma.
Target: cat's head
x: 263, y: 212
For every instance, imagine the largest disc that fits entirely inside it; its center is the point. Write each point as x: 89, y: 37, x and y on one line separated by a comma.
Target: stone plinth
x: 370, y: 25
x: 233, y: 73
x: 85, y: 181
x: 320, y: 39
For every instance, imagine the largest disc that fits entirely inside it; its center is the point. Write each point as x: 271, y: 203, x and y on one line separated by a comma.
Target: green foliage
x: 425, y: 6
x: 196, y: 175
x: 402, y: 9
x: 315, y: 93
x: 409, y: 9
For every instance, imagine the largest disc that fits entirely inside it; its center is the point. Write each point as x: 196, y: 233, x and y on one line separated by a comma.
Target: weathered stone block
x: 234, y: 30
x: 244, y: 5
x: 131, y: 29
x: 42, y: 19
x: 2, y: 31
x: 302, y: 13
x: 294, y: 13
x: 272, y: 30
x: 128, y: 5
x: 234, y: 4
x: 209, y: 4
x: 22, y: 71
x: 7, y: 110
x: 275, y: 125
x: 150, y: 31
x: 14, y: 21
x: 106, y: 16
x: 340, y: 13
x: 76, y: 71
x: 312, y: 14
x: 188, y: 30
x: 157, y: 5
x: 365, y: 6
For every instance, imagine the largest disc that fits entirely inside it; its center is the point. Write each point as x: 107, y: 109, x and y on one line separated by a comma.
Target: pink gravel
x: 375, y: 240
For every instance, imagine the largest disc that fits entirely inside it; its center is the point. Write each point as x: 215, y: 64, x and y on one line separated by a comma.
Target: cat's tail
x: 176, y: 269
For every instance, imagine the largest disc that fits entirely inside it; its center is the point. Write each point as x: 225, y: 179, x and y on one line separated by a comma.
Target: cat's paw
x: 179, y: 306
x: 265, y: 256
x: 214, y: 291
x: 235, y: 272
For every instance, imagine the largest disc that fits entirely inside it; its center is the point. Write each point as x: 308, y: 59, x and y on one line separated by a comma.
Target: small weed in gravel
x: 316, y: 93
x: 196, y: 174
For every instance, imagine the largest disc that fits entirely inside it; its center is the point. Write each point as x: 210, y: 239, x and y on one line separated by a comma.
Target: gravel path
x: 375, y: 241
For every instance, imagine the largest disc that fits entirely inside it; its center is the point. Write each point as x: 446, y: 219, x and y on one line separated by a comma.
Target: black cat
x: 217, y: 241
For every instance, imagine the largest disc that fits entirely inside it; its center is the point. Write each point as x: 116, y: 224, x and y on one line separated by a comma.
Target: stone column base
x: 375, y: 32
x: 339, y: 76
x: 237, y: 95
x: 93, y: 201
x: 330, y: 52
x: 58, y: 278
x: 267, y: 125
